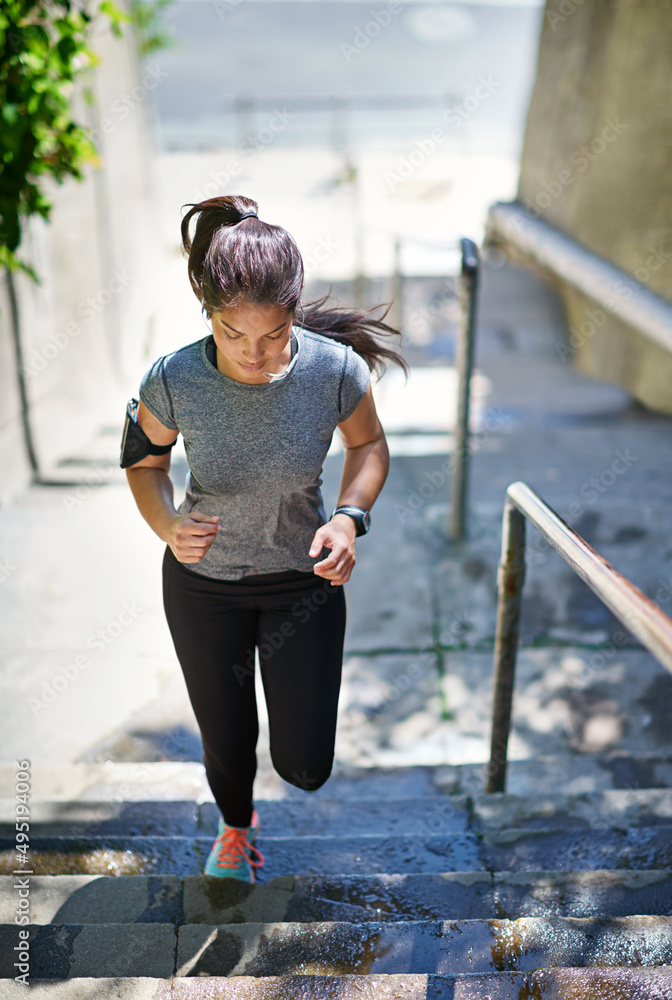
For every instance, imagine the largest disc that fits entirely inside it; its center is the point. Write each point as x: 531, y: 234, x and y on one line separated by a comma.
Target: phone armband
x: 135, y: 445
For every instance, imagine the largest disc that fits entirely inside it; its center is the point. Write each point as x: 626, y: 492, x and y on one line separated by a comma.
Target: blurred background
x: 379, y: 135
x: 376, y: 137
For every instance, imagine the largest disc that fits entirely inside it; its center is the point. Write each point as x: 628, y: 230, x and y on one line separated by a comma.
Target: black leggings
x: 297, y: 622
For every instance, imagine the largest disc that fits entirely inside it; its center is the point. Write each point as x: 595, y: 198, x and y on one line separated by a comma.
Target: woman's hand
x: 191, y: 535
x: 338, y: 535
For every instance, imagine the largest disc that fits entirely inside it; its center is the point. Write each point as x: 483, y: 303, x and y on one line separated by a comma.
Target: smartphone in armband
x: 135, y: 445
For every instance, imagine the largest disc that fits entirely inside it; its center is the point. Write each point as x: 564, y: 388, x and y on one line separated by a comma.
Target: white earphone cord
x: 273, y: 377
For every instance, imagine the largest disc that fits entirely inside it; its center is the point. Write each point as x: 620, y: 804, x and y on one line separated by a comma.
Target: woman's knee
x: 308, y: 778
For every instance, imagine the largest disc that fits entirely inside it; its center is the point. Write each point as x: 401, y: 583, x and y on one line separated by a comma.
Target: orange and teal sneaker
x: 233, y: 854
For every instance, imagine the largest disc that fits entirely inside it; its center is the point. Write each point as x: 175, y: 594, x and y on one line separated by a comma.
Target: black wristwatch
x: 361, y: 517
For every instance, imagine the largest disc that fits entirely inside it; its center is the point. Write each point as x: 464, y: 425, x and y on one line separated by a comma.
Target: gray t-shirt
x: 255, y: 452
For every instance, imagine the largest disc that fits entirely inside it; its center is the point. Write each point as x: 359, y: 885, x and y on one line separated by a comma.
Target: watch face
x: 366, y: 520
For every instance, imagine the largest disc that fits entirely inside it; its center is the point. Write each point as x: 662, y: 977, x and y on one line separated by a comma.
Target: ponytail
x: 232, y: 259
x: 356, y: 327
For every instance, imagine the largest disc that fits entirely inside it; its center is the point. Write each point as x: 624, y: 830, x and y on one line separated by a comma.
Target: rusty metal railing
x: 465, y: 364
x: 640, y: 615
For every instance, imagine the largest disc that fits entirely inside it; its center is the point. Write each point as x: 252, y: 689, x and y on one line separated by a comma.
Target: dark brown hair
x: 233, y: 261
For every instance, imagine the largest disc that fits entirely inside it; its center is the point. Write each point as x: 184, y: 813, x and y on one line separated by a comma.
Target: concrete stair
x: 385, y: 883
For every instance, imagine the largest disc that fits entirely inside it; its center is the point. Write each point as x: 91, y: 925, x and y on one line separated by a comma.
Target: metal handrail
x: 329, y: 102
x: 468, y: 293
x: 465, y: 364
x: 613, y: 289
x: 629, y: 604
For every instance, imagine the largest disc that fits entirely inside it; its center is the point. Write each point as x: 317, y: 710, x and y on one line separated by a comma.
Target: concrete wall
x: 99, y: 260
x: 597, y: 163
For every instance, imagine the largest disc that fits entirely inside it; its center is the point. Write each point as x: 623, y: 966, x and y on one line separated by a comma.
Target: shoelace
x: 234, y: 845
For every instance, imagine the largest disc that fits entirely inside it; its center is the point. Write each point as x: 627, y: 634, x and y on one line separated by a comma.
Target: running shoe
x: 233, y: 854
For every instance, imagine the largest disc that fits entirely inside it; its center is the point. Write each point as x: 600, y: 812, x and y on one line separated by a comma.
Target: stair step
x: 286, y: 856
x: 545, y: 984
x: 570, y: 849
x: 169, y: 780
x: 82, y: 899
x: 79, y: 818
x: 510, y: 850
x: 460, y: 947
x: 288, y: 817
x: 284, y: 818
x: 59, y: 951
x: 608, y: 808
x: 496, y: 986
x: 96, y: 899
x: 110, y: 781
x: 429, y: 896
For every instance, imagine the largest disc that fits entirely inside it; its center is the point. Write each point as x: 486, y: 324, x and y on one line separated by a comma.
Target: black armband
x: 135, y: 445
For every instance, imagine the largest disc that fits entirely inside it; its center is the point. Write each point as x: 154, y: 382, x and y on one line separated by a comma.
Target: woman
x: 251, y: 562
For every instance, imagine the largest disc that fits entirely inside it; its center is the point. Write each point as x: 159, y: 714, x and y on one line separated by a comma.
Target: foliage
x: 146, y: 16
x: 44, y: 48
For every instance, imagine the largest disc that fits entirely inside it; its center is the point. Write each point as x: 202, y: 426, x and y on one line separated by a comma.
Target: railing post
x: 396, y: 314
x: 510, y: 578
x: 465, y: 360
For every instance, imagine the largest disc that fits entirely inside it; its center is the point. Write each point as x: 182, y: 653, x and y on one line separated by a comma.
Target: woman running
x: 253, y: 567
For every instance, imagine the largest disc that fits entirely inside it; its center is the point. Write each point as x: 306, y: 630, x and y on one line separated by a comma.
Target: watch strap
x: 360, y: 516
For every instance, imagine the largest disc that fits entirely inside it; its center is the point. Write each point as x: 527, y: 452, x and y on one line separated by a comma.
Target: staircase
x: 387, y: 883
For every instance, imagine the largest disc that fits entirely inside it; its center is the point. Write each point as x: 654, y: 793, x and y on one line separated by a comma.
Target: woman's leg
x: 300, y: 641
x: 214, y: 632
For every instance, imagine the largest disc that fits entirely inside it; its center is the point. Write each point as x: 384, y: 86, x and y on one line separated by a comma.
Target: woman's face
x: 251, y: 340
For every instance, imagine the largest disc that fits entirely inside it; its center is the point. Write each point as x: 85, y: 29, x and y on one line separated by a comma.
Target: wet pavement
x: 398, y: 817
x: 514, y: 850
x: 187, y: 855
x: 330, y: 949
x: 617, y: 809
x: 195, y: 899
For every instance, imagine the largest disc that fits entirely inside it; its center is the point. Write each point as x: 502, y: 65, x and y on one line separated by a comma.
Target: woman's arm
x: 187, y: 534
x: 367, y: 458
x: 365, y: 468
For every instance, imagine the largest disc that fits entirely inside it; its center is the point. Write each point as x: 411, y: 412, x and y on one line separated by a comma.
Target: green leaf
x: 44, y: 53
x: 66, y: 49
x: 10, y: 113
x: 9, y: 260
x: 116, y: 15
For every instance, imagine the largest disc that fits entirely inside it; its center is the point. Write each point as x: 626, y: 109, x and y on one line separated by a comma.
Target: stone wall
x: 597, y: 163
x: 99, y: 262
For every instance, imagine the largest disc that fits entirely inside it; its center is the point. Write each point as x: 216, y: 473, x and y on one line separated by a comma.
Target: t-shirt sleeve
x: 155, y: 395
x: 354, y: 383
